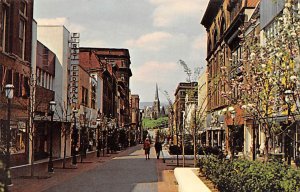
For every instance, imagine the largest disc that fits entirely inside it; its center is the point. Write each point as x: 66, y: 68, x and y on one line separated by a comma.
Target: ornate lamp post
x: 98, y: 136
x: 9, y: 93
x: 75, y: 138
x: 50, y: 163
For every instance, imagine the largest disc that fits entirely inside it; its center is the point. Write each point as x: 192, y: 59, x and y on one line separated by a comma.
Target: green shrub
x: 245, y: 175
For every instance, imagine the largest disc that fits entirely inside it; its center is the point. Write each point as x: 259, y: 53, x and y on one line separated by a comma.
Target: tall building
x: 222, y: 20
x: 15, y: 66
x: 56, y: 38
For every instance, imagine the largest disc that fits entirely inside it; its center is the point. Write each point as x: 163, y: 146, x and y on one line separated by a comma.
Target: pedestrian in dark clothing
x: 158, y: 148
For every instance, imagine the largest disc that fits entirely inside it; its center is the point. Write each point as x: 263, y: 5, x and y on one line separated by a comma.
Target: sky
x: 158, y: 33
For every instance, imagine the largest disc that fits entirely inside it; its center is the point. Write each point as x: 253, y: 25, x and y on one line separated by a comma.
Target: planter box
x: 188, y: 181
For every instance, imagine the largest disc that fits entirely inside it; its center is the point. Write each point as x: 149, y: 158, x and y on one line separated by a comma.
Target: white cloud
x: 200, y: 42
x: 151, y: 41
x: 155, y: 71
x: 93, y: 43
x: 72, y: 27
x: 165, y: 74
x: 168, y: 12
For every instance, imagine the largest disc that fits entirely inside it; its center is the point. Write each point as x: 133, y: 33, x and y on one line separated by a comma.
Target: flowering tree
x: 269, y: 85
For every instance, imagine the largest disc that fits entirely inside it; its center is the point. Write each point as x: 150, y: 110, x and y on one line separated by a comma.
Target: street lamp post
x: 98, y: 136
x: 221, y: 139
x: 83, y: 139
x: 50, y: 163
x: 177, y: 151
x: 9, y: 93
x: 233, y: 114
x: 102, y: 134
x: 288, y: 94
x: 75, y: 139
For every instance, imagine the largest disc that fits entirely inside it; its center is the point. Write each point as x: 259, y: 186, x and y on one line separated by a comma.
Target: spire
x: 156, y: 94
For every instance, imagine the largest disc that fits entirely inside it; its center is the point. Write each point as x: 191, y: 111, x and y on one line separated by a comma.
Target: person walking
x: 147, y: 146
x: 158, y: 148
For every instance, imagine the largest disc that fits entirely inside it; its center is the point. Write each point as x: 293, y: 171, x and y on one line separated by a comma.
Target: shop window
x: 26, y: 90
x: 8, y: 76
x: 16, y: 84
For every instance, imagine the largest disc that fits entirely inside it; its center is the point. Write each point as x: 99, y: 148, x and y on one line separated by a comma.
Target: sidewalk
x: 45, y: 180
x: 166, y: 178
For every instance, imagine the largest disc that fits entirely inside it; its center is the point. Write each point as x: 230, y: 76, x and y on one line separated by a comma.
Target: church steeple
x: 156, y: 94
x: 156, y: 105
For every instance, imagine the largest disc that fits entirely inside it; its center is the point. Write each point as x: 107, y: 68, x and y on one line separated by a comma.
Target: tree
x: 269, y: 86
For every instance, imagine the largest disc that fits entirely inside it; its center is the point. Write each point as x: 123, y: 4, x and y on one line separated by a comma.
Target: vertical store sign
x: 74, y: 68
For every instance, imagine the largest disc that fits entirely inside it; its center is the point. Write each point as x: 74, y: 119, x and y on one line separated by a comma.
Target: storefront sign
x: 74, y: 67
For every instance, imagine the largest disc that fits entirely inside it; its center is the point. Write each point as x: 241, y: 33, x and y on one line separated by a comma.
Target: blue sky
x: 157, y: 33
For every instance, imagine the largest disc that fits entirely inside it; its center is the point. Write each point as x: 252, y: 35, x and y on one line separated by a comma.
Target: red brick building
x: 45, y: 73
x: 15, y: 61
x: 113, y: 66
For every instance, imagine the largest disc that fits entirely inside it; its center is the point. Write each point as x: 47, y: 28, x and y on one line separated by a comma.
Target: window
x: 1, y: 77
x: 22, y: 38
x: 93, y: 102
x: 16, y: 84
x: 223, y: 27
x: 215, y: 37
x: 4, y: 29
x: 23, y: 8
x: 38, y: 80
x: 41, y: 78
x: 8, y: 76
x: 84, y: 96
x: 26, y: 92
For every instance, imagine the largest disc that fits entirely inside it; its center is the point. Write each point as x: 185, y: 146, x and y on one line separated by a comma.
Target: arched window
x: 223, y: 27
x: 215, y: 37
x: 208, y: 44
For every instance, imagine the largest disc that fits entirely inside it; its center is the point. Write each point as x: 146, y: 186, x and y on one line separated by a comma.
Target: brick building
x: 113, y: 66
x: 45, y: 73
x: 179, y: 103
x: 135, y: 117
x: 15, y: 62
x: 222, y: 20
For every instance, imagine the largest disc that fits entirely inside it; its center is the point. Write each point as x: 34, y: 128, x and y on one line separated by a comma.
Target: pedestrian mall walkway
x: 127, y: 171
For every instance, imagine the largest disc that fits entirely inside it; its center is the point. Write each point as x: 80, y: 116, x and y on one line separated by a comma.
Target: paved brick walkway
x: 166, y: 180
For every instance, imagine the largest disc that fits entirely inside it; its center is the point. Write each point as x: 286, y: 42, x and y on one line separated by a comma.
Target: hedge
x: 244, y: 175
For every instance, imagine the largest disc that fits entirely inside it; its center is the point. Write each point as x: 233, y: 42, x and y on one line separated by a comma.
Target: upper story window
x: 215, y: 37
x: 4, y: 30
x: 223, y: 27
x: 23, y: 8
x: 235, y: 8
x: 84, y: 96
x: 22, y: 26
